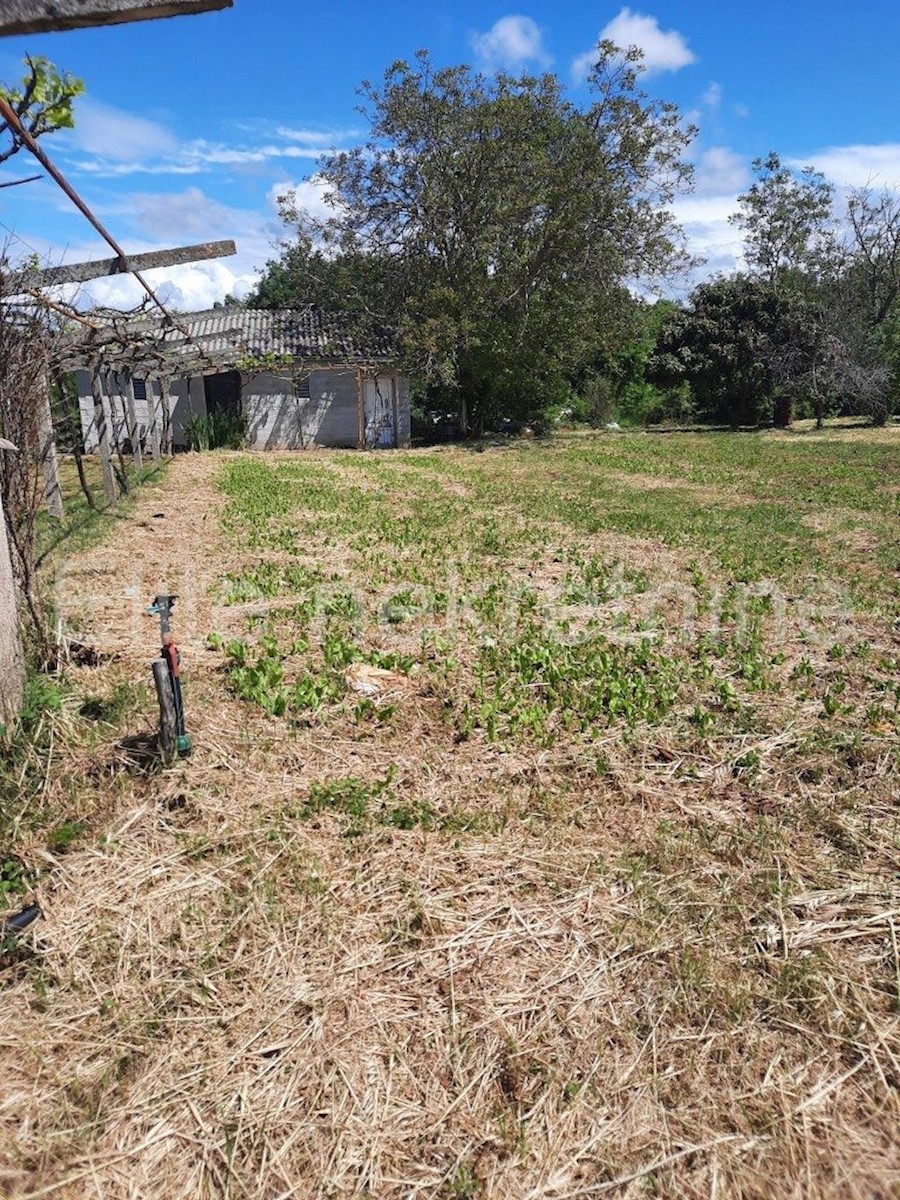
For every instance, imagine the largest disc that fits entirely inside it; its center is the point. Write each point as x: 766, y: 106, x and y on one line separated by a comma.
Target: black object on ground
x: 17, y: 923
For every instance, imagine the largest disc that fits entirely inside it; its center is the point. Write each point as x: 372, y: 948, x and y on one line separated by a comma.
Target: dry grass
x: 615, y: 964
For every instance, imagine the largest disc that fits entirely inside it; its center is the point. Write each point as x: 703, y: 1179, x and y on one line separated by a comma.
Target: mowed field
x: 540, y: 839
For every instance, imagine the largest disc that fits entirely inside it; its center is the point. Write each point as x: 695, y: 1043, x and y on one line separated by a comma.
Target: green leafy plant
x: 215, y: 431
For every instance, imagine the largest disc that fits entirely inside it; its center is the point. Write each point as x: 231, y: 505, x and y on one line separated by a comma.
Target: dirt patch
x: 849, y: 528
x: 700, y: 492
x: 168, y: 546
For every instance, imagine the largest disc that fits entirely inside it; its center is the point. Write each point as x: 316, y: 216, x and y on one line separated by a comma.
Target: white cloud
x: 312, y: 137
x: 712, y: 97
x: 720, y: 175
x: 111, y: 143
x: 308, y: 194
x: 511, y: 42
x: 179, y: 218
x: 207, y: 154
x: 155, y: 220
x: 875, y: 166
x: 189, y: 288
x: 195, y: 158
x: 114, y: 134
x: 663, y: 50
x: 719, y: 172
x: 704, y: 220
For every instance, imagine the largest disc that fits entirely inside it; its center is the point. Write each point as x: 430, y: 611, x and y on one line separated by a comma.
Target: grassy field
x: 541, y: 837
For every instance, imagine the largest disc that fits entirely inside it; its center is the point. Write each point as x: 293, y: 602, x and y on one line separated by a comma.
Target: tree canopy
x: 788, y: 224
x: 494, y: 222
x: 503, y: 232
x: 721, y: 345
x: 810, y: 322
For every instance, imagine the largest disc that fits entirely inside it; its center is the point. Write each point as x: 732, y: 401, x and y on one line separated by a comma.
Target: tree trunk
x: 82, y: 478
x: 165, y: 402
x: 819, y: 398
x: 463, y: 414
x: 117, y: 427
x: 784, y: 412
x: 75, y: 437
x: 152, y: 422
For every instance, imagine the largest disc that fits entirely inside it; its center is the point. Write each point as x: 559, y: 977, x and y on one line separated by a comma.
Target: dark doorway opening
x: 223, y: 394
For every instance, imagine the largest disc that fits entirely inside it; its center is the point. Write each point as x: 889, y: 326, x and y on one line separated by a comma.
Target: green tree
x: 720, y: 344
x: 43, y: 102
x: 874, y: 219
x: 787, y: 221
x: 354, y: 284
x: 826, y: 353
x: 495, y: 223
x: 637, y: 399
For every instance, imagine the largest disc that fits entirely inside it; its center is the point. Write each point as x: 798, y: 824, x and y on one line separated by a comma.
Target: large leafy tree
x: 786, y: 218
x: 495, y: 223
x: 874, y: 219
x: 835, y: 289
x: 721, y: 343
x: 793, y: 251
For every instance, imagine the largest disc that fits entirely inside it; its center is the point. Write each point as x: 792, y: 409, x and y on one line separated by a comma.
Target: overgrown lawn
x: 541, y: 837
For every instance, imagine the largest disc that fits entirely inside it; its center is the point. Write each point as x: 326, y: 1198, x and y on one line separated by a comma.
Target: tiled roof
x: 220, y: 338
x: 233, y: 333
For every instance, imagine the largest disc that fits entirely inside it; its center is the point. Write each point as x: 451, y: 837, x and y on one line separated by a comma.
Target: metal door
x: 379, y: 411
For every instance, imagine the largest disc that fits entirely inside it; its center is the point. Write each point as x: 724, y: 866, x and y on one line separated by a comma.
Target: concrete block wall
x: 278, y: 420
x: 275, y: 417
x: 183, y: 402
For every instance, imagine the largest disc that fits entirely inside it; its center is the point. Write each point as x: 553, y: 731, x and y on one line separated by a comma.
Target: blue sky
x: 191, y: 127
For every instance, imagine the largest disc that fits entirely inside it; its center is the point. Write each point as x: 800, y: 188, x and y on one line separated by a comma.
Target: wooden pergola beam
x: 99, y: 268
x: 46, y: 16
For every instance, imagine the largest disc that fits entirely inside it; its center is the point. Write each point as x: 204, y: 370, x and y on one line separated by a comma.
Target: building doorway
x: 223, y: 394
x: 381, y: 413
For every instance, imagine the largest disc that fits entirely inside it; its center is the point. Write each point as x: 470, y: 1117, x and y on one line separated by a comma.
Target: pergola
x: 43, y: 16
x: 48, y: 16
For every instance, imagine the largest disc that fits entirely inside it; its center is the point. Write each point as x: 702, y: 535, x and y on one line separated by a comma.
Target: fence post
x: 131, y: 410
x: 47, y: 450
x: 152, y: 422
x: 109, y: 479
x: 12, y: 658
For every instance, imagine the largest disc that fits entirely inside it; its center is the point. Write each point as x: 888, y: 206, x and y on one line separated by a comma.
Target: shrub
x: 215, y: 431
